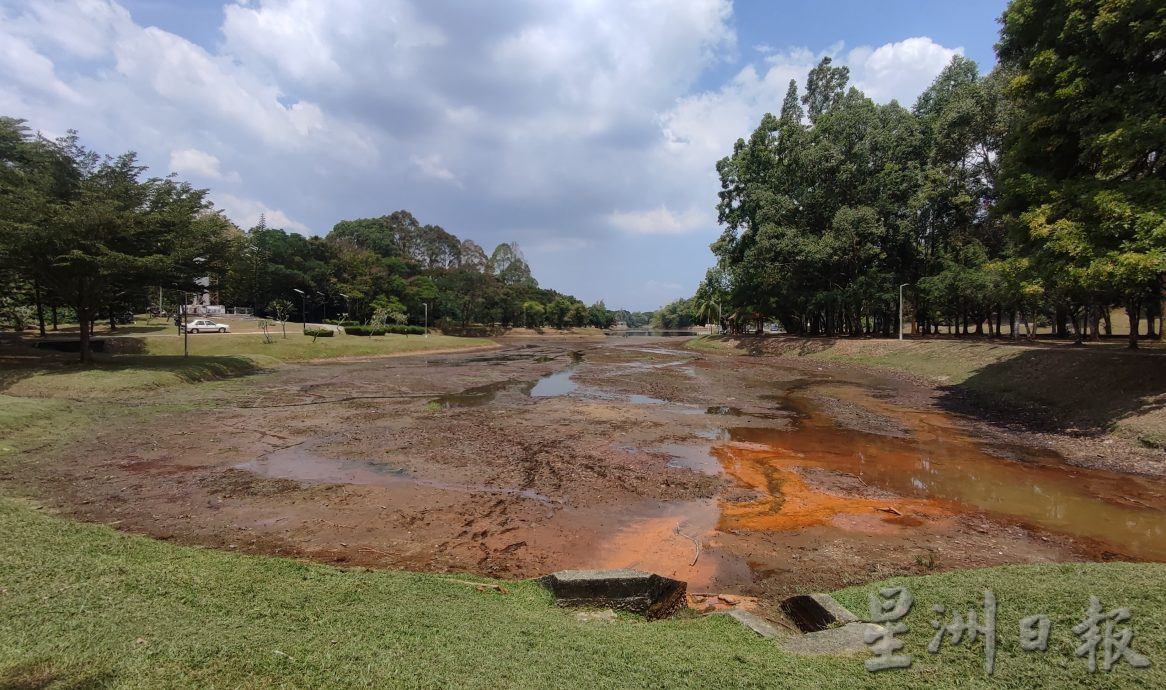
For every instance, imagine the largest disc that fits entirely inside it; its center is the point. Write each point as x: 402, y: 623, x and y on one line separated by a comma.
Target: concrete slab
x: 846, y: 640
x: 630, y: 590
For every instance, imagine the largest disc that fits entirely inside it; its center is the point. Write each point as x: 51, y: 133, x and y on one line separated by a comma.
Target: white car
x: 207, y: 326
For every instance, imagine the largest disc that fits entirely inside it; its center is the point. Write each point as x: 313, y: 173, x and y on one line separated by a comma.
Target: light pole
x: 303, y: 307
x: 347, y: 305
x: 719, y: 319
x: 901, y: 309
x: 426, y: 305
x: 185, y: 330
x: 324, y: 301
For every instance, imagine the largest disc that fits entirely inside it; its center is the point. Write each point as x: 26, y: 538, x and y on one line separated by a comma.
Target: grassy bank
x: 1093, y: 389
x: 146, y: 363
x: 300, y: 348
x: 85, y: 606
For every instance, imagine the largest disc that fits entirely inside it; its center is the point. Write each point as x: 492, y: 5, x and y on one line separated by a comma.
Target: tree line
x: 1033, y: 194
x: 85, y: 236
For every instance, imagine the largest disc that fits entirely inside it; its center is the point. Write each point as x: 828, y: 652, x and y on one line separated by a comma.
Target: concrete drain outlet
x: 649, y: 594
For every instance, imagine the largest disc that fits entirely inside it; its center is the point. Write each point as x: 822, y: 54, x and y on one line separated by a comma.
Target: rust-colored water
x: 934, y: 470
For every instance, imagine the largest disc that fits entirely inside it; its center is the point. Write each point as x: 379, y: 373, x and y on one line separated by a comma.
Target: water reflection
x: 938, y: 468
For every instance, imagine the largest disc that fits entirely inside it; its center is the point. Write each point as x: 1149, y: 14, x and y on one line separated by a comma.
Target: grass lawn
x: 1092, y: 388
x: 85, y: 606
x: 298, y: 347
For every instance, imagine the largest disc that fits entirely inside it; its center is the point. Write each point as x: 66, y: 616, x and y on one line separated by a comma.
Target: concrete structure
x: 630, y: 590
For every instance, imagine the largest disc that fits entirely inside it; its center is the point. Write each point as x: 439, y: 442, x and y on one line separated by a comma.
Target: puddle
x: 302, y: 464
x: 936, y: 470
x: 558, y: 383
x: 689, y: 457
x: 481, y: 395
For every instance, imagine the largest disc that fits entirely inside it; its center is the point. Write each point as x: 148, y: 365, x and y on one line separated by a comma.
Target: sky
x: 587, y: 131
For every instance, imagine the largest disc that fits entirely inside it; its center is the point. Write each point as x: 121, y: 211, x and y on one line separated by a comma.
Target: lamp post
x: 720, y: 320
x: 901, y: 309
x: 324, y: 301
x: 347, y: 305
x: 426, y: 305
x: 303, y: 307
x: 185, y: 330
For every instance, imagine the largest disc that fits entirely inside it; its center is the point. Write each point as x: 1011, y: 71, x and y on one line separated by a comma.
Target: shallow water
x: 936, y: 469
x: 303, y: 464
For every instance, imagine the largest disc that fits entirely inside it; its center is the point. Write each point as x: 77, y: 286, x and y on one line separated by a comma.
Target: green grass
x: 65, y: 378
x: 1060, y: 592
x: 27, y: 423
x: 1095, y: 389
x: 85, y: 606
x: 299, y: 348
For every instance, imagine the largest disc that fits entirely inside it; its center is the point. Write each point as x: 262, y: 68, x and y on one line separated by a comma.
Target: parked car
x: 207, y: 326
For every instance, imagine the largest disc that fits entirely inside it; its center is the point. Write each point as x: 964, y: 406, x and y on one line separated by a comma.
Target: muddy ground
x: 744, y: 476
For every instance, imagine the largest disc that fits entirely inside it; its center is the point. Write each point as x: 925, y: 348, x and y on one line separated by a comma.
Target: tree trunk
x: 1132, y: 313
x: 1161, y: 306
x: 1108, y: 320
x: 1093, y: 312
x: 40, y: 308
x: 54, y: 313
x: 84, y: 319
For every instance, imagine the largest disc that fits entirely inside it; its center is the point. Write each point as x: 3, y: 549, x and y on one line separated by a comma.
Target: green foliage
x: 675, y: 315
x: 1037, y: 192
x: 384, y: 329
x: 319, y: 332
x: 1082, y: 177
x: 90, y: 230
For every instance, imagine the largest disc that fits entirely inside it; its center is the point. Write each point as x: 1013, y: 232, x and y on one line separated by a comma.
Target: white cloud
x: 195, y: 162
x: 32, y: 73
x: 701, y: 128
x: 660, y: 221
x: 431, y: 166
x: 900, y: 70
x: 535, y: 119
x: 247, y: 212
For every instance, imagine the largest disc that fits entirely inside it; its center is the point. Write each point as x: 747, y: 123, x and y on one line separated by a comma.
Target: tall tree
x: 93, y: 230
x: 1083, y: 175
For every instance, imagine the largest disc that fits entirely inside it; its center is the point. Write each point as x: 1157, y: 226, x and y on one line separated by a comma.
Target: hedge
x: 382, y: 330
x: 319, y: 332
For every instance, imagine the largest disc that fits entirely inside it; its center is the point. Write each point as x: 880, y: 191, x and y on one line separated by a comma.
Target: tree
x: 1083, y: 175
x: 92, y: 230
x: 824, y: 87
x: 281, y: 309
x: 533, y: 313
x: 598, y: 315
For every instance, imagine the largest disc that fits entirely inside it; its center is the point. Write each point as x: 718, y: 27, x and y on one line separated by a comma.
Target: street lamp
x: 901, y: 309
x: 426, y: 305
x: 185, y: 330
x: 347, y: 305
x: 324, y: 301
x: 303, y: 307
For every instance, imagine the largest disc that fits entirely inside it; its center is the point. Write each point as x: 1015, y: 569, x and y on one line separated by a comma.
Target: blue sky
x: 586, y: 130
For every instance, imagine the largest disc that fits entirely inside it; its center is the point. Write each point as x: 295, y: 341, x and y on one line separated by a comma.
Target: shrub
x: 319, y: 332
x: 364, y: 330
x: 384, y: 329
